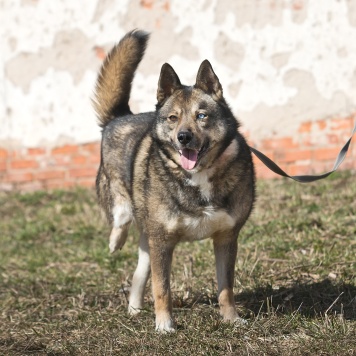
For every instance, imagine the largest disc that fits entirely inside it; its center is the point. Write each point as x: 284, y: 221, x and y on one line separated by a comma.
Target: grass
x: 61, y: 293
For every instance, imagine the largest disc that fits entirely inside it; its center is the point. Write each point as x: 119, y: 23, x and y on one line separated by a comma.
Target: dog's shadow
x: 308, y: 299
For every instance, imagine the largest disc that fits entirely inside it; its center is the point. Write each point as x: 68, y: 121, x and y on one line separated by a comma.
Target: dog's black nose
x: 184, y: 137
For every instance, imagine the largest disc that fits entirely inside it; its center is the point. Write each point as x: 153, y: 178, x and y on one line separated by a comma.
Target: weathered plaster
x: 351, y: 13
x: 229, y: 52
x: 257, y: 14
x: 299, y: 10
x: 71, y: 52
x: 280, y: 62
x: 273, y: 120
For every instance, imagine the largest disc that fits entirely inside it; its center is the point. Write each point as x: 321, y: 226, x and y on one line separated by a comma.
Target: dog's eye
x: 173, y: 118
x: 201, y: 116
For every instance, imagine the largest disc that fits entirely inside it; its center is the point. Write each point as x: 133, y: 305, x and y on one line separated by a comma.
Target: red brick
x: 46, y: 175
x: 333, y: 139
x: 321, y: 124
x: 342, y: 124
x: 87, y: 183
x: 293, y: 156
x: 62, y: 160
x: 67, y: 149
x: 305, y: 127
x: 282, y: 142
x: 79, y: 160
x: 19, y: 177
x: 83, y: 172
x: 321, y: 167
x: 298, y: 169
x: 265, y: 173
x: 3, y: 166
x: 54, y: 185
x: 307, y: 142
x: 3, y: 153
x: 324, y: 154
x: 93, y: 147
x: 36, y: 151
x: 94, y: 159
x: 23, y: 163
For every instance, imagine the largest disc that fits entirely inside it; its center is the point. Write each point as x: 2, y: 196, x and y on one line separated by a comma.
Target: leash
x: 304, y: 178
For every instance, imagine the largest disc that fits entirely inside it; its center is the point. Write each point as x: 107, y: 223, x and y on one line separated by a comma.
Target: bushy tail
x: 113, y: 85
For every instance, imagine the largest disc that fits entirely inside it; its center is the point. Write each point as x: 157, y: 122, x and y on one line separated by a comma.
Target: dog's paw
x: 236, y: 320
x: 230, y: 315
x: 166, y: 326
x: 240, y: 321
x: 113, y: 246
x: 118, y: 238
x: 134, y: 310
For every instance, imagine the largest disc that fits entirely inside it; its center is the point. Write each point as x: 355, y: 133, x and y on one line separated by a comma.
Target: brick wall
x: 42, y: 168
x: 311, y: 150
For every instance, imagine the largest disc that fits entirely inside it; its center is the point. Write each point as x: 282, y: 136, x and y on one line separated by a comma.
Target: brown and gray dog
x: 182, y: 172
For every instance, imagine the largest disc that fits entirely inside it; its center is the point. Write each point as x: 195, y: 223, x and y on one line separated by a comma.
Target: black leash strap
x: 307, y: 178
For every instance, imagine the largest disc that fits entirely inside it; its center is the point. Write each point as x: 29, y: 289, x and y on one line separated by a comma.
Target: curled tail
x: 113, y: 86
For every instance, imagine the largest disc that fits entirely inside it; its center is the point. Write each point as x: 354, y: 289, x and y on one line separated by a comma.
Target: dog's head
x: 194, y: 124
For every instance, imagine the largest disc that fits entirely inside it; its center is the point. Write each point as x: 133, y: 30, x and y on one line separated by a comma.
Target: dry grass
x: 61, y: 293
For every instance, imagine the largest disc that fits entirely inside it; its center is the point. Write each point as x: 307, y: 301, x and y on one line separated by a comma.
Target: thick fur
x: 183, y: 172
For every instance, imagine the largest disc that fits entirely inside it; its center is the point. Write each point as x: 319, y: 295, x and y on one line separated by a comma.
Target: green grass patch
x: 62, y: 293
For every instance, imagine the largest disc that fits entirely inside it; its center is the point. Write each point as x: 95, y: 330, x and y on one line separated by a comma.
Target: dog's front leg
x: 161, y: 259
x: 225, y: 249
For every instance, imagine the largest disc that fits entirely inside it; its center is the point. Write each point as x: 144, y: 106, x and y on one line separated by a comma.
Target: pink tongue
x: 188, y: 158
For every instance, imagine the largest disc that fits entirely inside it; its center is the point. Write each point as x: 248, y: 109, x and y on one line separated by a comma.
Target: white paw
x: 234, y: 318
x: 113, y: 246
x: 166, y: 326
x: 240, y: 321
x: 134, y: 310
x: 118, y: 238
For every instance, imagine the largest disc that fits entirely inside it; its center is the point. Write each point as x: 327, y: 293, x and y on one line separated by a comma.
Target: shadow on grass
x: 309, y: 299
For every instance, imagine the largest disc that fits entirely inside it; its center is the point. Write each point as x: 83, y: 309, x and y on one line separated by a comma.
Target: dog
x: 182, y: 172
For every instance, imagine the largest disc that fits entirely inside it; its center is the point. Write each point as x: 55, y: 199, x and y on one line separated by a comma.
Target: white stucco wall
x: 280, y: 62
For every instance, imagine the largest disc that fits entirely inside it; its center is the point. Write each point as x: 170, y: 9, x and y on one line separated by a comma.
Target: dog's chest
x: 201, y: 181
x: 204, y: 225
x: 204, y: 221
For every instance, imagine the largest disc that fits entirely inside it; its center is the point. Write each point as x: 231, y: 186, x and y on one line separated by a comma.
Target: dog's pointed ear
x: 168, y: 83
x: 208, y: 81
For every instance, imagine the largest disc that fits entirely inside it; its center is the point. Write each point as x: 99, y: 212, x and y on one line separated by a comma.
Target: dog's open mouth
x: 189, y: 158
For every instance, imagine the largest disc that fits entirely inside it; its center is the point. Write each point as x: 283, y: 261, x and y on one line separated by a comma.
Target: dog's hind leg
x: 122, y: 216
x: 140, y: 277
